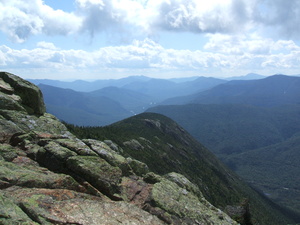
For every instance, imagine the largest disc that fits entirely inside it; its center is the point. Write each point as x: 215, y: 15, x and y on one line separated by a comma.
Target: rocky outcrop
x: 48, y: 176
x: 21, y: 94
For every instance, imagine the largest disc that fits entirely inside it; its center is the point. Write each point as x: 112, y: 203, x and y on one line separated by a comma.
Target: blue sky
x: 101, y: 39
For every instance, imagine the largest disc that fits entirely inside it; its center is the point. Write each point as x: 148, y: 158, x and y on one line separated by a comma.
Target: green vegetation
x: 259, y: 144
x: 274, y: 170
x: 165, y: 147
x: 227, y: 129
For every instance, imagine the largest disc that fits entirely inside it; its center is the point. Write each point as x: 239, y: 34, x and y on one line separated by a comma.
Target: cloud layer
x: 224, y: 54
x: 20, y: 19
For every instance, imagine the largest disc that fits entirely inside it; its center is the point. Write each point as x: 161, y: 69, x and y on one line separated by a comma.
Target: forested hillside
x: 165, y: 146
x: 260, y: 144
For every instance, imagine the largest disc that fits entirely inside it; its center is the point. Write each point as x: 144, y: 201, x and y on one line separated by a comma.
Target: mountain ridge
x: 142, y: 133
x: 270, y: 91
x: 116, y: 103
x: 235, y: 132
x: 87, y: 86
x: 132, y: 101
x: 81, y: 109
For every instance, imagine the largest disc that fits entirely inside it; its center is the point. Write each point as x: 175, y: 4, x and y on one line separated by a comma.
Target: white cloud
x: 248, y: 44
x: 20, y: 19
x: 214, y: 16
x: 46, y: 45
x: 97, y: 15
x: 202, y: 16
x: 141, y: 56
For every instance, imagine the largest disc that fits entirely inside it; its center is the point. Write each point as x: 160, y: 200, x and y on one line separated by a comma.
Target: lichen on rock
x: 30, y: 95
x: 180, y: 199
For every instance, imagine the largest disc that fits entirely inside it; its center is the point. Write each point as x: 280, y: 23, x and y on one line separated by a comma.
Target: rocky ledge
x: 48, y: 176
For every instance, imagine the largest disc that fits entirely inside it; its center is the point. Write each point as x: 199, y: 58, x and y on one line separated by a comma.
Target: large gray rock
x: 58, y: 206
x: 11, y: 213
x: 98, y: 172
x: 183, y: 200
x: 22, y: 92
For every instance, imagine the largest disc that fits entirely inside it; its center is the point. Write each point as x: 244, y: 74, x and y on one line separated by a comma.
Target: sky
x: 111, y: 39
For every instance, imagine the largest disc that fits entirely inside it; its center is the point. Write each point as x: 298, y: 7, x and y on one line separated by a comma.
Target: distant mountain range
x: 102, y: 102
x: 133, y: 95
x: 132, y: 101
x: 82, y: 109
x: 126, y: 97
x: 249, y: 76
x: 270, y: 91
x: 163, y: 89
x: 87, y: 86
x: 158, y: 88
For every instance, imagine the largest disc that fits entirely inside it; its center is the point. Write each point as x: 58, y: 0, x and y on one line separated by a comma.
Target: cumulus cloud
x: 248, y: 44
x: 202, y: 16
x: 149, y: 56
x: 152, y: 16
x: 98, y: 15
x: 214, y: 16
x: 20, y: 19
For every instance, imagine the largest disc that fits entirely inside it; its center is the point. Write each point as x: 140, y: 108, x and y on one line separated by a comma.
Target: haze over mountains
x: 129, y: 96
x: 119, y: 99
x: 270, y: 91
x: 80, y: 108
x: 86, y: 86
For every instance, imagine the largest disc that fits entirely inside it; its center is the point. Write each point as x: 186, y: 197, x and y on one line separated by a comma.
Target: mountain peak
x: 249, y: 76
